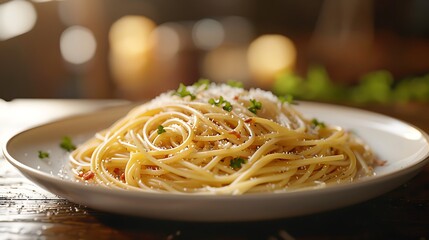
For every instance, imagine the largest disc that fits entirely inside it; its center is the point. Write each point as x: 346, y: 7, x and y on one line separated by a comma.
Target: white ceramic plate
x: 405, y: 148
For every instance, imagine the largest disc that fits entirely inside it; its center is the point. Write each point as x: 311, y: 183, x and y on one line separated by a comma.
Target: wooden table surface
x: 29, y: 212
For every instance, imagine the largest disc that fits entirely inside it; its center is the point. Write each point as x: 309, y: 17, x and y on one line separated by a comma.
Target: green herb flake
x: 235, y: 84
x: 182, y: 92
x: 217, y: 102
x: 161, y: 129
x: 316, y: 123
x: 255, y: 106
x: 43, y: 154
x: 227, y: 106
x: 221, y: 102
x: 202, y: 82
x: 237, y: 162
x: 67, y: 144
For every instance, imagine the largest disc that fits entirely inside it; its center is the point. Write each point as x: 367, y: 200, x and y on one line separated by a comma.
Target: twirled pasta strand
x: 277, y: 149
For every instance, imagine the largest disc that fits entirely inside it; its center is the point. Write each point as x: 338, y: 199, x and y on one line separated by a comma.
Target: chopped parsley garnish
x: 160, y: 129
x: 67, y: 144
x: 227, y: 106
x: 183, y: 92
x: 236, y: 163
x: 316, y: 123
x: 202, y: 82
x: 287, y: 99
x: 221, y: 103
x: 255, y: 106
x: 235, y: 84
x: 43, y: 154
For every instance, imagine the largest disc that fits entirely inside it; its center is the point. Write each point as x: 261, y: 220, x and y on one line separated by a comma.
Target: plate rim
x: 361, y: 183
x: 18, y: 164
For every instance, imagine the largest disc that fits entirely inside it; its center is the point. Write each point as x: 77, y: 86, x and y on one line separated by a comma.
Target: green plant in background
x: 317, y: 85
x: 289, y: 84
x: 374, y: 87
x: 413, y: 89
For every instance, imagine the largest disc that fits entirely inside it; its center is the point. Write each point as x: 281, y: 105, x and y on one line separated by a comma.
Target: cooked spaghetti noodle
x: 217, y: 139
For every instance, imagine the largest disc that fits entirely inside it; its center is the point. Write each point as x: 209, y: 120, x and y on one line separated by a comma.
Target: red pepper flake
x: 236, y: 98
x: 152, y: 167
x: 236, y: 134
x: 117, y: 171
x: 122, y: 177
x: 249, y: 120
x: 88, y: 175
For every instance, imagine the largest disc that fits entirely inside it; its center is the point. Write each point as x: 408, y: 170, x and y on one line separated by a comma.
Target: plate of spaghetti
x: 214, y: 152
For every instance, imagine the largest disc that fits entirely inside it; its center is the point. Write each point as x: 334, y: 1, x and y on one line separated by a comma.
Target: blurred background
x: 354, y: 51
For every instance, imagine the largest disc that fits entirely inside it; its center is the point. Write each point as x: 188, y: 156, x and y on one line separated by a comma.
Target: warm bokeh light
x: 270, y: 54
x: 220, y: 65
x: 167, y: 40
x: 130, y: 47
x: 208, y: 34
x: 77, y: 45
x: 130, y: 34
x: 16, y: 18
